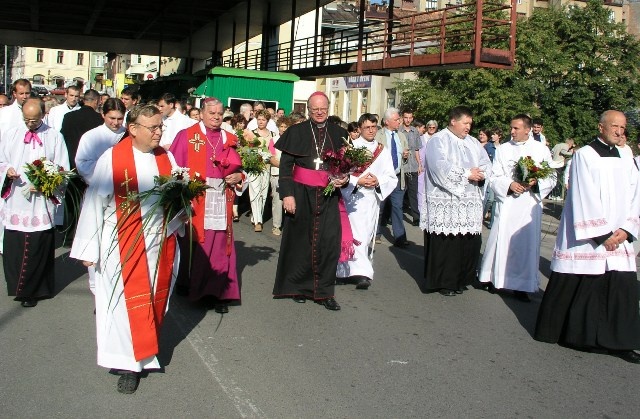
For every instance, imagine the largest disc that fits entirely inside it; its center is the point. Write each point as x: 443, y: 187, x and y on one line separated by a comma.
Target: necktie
x: 32, y: 137
x: 394, y: 151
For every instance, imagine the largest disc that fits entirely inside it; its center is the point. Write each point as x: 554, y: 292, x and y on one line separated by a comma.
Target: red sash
x: 145, y: 307
x: 376, y: 153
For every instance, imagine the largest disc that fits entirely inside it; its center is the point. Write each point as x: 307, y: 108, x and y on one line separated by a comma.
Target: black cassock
x: 310, y: 245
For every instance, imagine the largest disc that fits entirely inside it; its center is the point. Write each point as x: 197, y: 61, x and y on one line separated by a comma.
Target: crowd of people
x: 446, y: 181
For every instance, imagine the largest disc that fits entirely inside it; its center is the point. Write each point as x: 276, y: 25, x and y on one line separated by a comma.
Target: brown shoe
x: 258, y: 228
x: 276, y: 231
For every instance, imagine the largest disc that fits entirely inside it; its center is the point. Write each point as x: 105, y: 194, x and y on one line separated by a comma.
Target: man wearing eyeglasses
x: 28, y: 216
x: 367, y: 188
x: 132, y: 247
x: 312, y: 234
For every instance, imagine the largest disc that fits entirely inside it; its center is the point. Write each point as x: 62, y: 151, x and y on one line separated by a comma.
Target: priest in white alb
x: 457, y: 166
x: 132, y: 248
x: 28, y: 216
x: 512, y: 255
x: 591, y: 300
x: 362, y: 196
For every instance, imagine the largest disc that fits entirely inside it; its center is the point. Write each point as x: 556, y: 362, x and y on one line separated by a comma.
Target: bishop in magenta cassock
x: 210, y: 152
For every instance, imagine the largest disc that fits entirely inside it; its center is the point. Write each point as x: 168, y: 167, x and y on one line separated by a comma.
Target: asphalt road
x: 391, y: 352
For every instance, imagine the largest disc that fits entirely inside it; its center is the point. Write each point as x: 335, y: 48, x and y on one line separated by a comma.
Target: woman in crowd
x: 259, y: 183
x: 276, y: 203
x: 353, y: 130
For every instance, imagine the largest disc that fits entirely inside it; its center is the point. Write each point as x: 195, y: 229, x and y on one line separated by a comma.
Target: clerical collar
x: 324, y: 124
x: 603, y: 149
x: 70, y: 107
x: 36, y: 130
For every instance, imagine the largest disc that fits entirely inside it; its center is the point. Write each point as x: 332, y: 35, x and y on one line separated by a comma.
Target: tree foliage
x: 571, y: 65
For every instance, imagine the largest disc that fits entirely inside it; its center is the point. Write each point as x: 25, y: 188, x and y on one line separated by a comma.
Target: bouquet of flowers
x: 175, y: 191
x: 47, y: 178
x: 343, y: 162
x: 527, y: 169
x: 254, y: 154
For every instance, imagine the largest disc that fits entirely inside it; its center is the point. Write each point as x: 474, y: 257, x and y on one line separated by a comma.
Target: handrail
x: 452, y: 29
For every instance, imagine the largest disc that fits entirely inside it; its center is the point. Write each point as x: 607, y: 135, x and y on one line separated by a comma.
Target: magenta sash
x: 320, y: 179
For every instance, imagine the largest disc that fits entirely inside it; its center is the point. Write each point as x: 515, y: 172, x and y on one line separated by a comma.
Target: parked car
x: 39, y: 90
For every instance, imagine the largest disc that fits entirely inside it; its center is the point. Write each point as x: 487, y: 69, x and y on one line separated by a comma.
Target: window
x: 39, y: 55
x: 99, y: 61
x: 431, y: 5
x: 60, y: 58
x: 38, y: 79
x: 139, y: 59
x: 80, y: 58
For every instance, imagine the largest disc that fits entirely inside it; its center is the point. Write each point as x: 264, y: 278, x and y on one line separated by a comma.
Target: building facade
x: 54, y: 68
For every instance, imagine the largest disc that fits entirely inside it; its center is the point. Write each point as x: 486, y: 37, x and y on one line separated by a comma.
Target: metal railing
x: 487, y: 25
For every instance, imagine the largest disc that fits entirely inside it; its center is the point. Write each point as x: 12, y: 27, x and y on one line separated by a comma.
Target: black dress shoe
x: 522, y: 296
x: 221, y: 308
x: 363, y: 283
x: 401, y: 243
x: 487, y: 286
x: 447, y: 293
x: 29, y: 303
x: 299, y: 299
x: 629, y: 356
x: 330, y: 304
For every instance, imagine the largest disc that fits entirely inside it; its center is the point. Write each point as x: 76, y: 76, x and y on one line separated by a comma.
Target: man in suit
x: 399, y: 147
x: 75, y: 124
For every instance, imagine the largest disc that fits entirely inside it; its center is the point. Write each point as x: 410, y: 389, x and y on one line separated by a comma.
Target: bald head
x: 33, y: 108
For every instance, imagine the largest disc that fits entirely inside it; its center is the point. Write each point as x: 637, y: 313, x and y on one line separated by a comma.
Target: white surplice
x: 511, y: 257
x: 454, y: 204
x: 93, y: 144
x: 603, y: 196
x: 32, y: 213
x: 363, y: 207
x: 95, y: 241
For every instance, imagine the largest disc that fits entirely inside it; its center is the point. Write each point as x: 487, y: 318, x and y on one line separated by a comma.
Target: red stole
x: 229, y: 162
x: 145, y: 307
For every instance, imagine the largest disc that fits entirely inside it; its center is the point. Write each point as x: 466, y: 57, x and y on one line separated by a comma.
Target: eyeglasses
x: 431, y: 127
x: 154, y: 128
x: 318, y: 110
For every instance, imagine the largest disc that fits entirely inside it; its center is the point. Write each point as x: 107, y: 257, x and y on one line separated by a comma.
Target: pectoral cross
x: 197, y: 142
x: 318, y: 161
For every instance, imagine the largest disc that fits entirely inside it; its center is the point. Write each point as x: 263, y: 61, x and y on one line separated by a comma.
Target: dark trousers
x: 411, y: 182
x: 397, y: 224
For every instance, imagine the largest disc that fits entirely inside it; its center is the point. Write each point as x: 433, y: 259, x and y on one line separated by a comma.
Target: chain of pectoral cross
x: 318, y: 161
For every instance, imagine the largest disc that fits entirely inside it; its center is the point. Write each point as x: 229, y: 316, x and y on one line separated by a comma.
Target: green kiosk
x: 235, y: 86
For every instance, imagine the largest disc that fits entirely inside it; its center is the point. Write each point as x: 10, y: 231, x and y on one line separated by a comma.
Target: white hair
x: 390, y: 112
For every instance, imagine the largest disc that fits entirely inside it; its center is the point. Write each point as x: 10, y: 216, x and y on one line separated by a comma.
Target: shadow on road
x: 66, y: 271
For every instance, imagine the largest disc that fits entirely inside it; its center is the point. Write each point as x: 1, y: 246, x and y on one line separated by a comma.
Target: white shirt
x: 56, y: 115
x: 173, y: 125
x: 10, y: 117
x: 93, y: 144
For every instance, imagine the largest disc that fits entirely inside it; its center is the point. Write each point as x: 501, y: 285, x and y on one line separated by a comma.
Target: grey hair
x: 433, y: 122
x: 210, y: 101
x: 390, y: 112
x: 245, y: 107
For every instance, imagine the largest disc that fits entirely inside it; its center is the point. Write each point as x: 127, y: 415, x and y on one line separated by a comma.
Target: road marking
x: 243, y: 405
